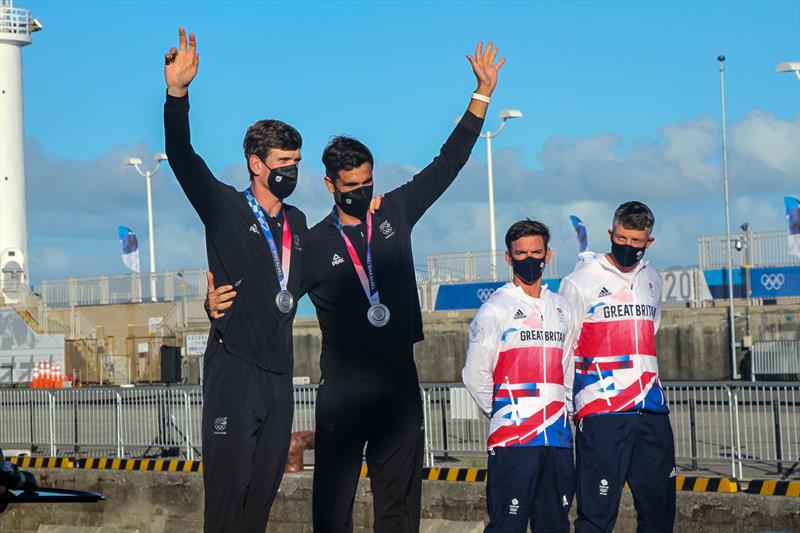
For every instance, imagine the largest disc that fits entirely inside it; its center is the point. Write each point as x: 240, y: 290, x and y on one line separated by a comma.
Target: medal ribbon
x: 367, y: 278
x: 282, y: 264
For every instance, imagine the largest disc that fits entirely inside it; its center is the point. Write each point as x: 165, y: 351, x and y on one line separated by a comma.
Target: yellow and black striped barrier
x: 103, y: 463
x: 774, y: 487
x: 706, y: 484
x: 764, y: 487
x: 447, y: 474
x: 42, y: 462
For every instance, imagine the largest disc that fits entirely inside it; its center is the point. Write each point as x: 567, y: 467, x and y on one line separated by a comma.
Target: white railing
x: 14, y: 20
x: 728, y: 423
x: 123, y: 289
x: 476, y: 267
x: 776, y: 358
x: 757, y: 248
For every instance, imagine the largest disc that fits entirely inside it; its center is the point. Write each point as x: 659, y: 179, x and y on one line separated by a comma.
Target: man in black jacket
x: 254, y: 243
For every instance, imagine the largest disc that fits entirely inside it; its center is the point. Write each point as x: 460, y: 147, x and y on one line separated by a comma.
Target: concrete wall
x: 692, y: 343
x: 155, y: 502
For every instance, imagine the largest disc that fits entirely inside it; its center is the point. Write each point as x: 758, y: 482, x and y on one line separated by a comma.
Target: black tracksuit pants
x: 529, y: 484
x: 247, y: 424
x: 386, y: 415
x: 611, y: 449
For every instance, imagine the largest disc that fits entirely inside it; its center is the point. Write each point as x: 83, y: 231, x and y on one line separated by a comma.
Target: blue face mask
x: 529, y: 270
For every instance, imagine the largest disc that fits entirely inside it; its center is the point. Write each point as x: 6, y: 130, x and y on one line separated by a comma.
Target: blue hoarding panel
x: 775, y: 282
x: 717, y: 281
x: 473, y: 295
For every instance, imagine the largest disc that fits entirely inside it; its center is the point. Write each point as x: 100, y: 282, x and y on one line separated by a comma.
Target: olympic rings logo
x: 772, y: 282
x: 484, y: 294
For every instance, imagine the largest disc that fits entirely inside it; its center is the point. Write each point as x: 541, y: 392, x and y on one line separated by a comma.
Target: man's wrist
x: 177, y: 92
x: 484, y: 90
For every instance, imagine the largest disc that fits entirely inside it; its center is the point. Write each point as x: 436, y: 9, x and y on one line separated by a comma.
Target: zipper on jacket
x: 637, y: 358
x: 544, y: 370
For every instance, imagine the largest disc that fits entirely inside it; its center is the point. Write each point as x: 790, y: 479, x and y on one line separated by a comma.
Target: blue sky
x: 621, y: 101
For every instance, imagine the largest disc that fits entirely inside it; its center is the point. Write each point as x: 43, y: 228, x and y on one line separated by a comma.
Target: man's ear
x: 650, y: 242
x: 255, y: 165
x: 548, y: 256
x: 508, y: 259
x: 329, y: 184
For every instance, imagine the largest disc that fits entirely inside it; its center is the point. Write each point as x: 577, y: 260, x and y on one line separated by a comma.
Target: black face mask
x: 626, y: 255
x: 356, y: 202
x: 282, y: 180
x: 529, y: 270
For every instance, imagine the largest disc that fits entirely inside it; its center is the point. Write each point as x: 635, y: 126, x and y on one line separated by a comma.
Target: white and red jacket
x: 617, y: 316
x: 519, y: 367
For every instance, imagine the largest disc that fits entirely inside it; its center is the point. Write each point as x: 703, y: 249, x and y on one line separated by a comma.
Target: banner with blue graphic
x: 130, y: 248
x: 473, y: 295
x: 793, y: 219
x: 580, y: 231
x: 775, y: 282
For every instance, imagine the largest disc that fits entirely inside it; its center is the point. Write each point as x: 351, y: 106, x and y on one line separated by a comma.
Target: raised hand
x: 180, y: 65
x: 485, y: 68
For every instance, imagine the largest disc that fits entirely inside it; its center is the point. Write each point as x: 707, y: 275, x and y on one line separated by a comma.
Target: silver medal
x: 378, y: 315
x: 285, y: 301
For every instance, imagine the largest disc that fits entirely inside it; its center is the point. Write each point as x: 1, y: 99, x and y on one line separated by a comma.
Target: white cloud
x: 75, y: 206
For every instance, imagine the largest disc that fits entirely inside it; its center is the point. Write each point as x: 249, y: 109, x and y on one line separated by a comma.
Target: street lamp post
x: 136, y: 163
x: 734, y: 369
x: 505, y: 114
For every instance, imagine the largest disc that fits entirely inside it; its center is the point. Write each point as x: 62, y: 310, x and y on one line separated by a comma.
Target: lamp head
x: 789, y: 66
x: 506, y: 114
x: 745, y: 226
x: 160, y: 156
x: 721, y: 59
x: 132, y: 161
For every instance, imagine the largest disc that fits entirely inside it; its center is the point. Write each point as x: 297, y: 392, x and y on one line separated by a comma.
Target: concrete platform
x: 163, y: 502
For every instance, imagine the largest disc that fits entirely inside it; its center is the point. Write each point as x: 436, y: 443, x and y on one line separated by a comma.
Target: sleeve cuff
x: 177, y: 103
x: 471, y: 122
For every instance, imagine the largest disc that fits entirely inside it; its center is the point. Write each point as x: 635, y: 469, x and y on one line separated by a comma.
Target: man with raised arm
x: 359, y: 270
x: 254, y: 242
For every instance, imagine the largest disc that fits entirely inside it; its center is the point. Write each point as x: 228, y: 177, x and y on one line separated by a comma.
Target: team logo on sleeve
x: 386, y: 228
x: 221, y: 426
x: 254, y: 229
x: 651, y: 289
x: 559, y: 314
x: 475, y: 332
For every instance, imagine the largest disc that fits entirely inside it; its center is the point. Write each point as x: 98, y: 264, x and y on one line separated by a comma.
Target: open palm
x: 485, y: 68
x: 180, y: 65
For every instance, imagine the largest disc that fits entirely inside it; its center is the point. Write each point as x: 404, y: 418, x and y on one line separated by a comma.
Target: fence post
x: 442, y: 402
x: 32, y: 424
x: 75, y: 422
x: 52, y: 422
x: 188, y: 408
x: 120, y: 445
x: 693, y: 428
x: 776, y: 414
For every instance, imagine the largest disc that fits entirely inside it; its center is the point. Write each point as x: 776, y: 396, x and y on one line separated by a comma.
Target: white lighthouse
x: 16, y: 26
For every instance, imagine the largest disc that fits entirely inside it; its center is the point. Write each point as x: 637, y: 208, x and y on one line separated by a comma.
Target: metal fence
x: 129, y: 288
x: 756, y: 248
x: 476, y: 266
x: 776, y: 358
x: 730, y: 424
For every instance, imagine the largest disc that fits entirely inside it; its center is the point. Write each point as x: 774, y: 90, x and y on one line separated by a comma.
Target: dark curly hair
x: 344, y: 153
x: 265, y: 135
